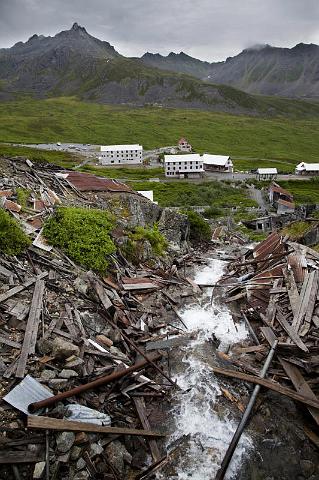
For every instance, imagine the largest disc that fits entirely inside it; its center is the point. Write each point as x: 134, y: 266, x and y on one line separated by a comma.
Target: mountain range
x: 266, y: 70
x: 74, y: 63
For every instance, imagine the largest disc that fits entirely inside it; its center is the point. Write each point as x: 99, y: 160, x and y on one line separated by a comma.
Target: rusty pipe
x: 90, y: 385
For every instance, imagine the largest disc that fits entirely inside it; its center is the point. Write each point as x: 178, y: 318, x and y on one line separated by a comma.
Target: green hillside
x: 286, y: 140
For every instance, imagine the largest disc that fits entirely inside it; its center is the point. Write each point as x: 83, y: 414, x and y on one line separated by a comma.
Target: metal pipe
x: 96, y: 383
x: 233, y: 444
x: 137, y: 349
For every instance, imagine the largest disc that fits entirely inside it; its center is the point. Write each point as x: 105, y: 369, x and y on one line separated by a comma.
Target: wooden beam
x: 31, y: 332
x: 304, y: 329
x: 17, y: 456
x: 46, y: 423
x: 300, y: 385
x: 101, y: 292
x: 141, y: 411
x: 268, y: 384
x: 289, y: 329
x: 13, y: 291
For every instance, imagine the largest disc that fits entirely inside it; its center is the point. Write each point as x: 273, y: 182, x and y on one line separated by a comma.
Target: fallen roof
x: 86, y: 182
x: 267, y: 171
x: 219, y: 160
x: 277, y: 188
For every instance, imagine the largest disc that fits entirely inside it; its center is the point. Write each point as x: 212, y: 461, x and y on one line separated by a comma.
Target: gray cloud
x: 207, y: 29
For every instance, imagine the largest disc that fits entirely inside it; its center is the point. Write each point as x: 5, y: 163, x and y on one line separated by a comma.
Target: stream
x: 202, y: 427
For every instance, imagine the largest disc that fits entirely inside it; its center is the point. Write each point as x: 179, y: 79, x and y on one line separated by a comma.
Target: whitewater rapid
x: 195, y: 412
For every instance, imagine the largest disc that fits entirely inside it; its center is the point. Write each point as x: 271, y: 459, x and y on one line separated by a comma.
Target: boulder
x: 64, y: 441
x: 63, y: 349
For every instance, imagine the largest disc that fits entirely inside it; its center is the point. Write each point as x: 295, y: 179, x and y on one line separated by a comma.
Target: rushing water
x: 209, y: 429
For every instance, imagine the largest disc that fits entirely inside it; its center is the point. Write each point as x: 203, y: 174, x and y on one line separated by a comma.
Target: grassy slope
x: 303, y: 191
x: 288, y: 140
x: 216, y: 193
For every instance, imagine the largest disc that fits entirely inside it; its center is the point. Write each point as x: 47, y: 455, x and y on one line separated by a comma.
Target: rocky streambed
x: 202, y: 417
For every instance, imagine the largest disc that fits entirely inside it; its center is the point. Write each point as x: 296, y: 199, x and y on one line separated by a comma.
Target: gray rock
x: 83, y: 475
x: 75, y: 453
x: 74, y: 363
x: 95, y: 449
x: 47, y: 375
x: 64, y: 441
x: 57, y: 383
x: 175, y: 227
x: 118, y: 455
x: 63, y: 349
x: 44, y: 346
x: 81, y: 285
x: 80, y: 464
x: 66, y: 373
x: 38, y: 470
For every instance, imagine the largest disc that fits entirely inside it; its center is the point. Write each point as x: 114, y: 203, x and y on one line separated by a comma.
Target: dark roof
x: 86, y: 182
x: 279, y: 189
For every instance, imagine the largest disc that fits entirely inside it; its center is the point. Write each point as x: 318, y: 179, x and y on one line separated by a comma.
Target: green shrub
x: 22, y: 196
x: 213, y: 212
x: 134, y: 248
x: 154, y: 236
x: 199, y: 229
x: 12, y: 239
x: 83, y: 234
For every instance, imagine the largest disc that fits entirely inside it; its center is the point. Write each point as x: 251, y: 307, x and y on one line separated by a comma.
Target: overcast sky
x: 207, y: 29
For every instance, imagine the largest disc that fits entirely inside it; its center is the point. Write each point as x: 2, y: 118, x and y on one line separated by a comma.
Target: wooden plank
x: 300, y: 385
x: 17, y: 456
x: 268, y: 384
x: 292, y: 289
x: 5, y: 272
x: 68, y: 321
x: 293, y: 335
x: 10, y: 343
x: 304, y: 299
x: 79, y: 323
x: 269, y: 335
x: 30, y: 336
x: 13, y: 291
x: 304, y: 329
x: 141, y: 411
x: 139, y: 286
x: 46, y: 423
x: 106, y: 302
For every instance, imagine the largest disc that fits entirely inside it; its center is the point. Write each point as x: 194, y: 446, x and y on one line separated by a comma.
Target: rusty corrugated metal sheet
x: 258, y: 295
x: 86, y: 182
x: 272, y: 244
x: 279, y: 189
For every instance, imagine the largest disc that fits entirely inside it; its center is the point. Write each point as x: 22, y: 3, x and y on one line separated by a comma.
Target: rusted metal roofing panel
x: 85, y: 182
x: 272, y: 244
x: 6, y: 193
x: 258, y: 293
x: 279, y: 189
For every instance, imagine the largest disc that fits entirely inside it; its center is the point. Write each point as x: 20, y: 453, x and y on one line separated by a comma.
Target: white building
x: 217, y: 163
x: 307, y: 168
x: 121, y: 154
x: 266, y: 173
x: 183, y: 166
